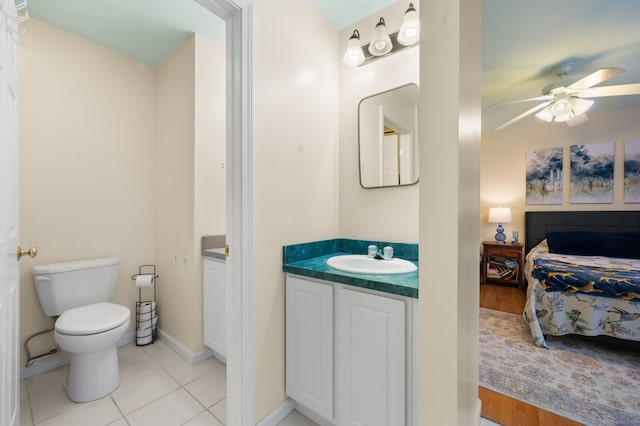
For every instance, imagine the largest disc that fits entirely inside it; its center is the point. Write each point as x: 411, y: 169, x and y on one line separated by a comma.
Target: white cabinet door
x: 371, y: 347
x: 214, y: 313
x: 309, y: 346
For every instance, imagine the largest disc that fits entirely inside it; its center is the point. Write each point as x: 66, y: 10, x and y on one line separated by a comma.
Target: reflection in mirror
x: 388, y: 138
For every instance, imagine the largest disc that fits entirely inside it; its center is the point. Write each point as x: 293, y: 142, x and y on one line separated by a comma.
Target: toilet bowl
x: 89, y: 334
x: 88, y: 326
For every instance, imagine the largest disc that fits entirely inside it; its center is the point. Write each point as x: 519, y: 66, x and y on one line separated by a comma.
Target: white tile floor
x: 157, y: 387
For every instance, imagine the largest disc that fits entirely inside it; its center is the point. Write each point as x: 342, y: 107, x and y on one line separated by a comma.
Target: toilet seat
x: 92, y: 319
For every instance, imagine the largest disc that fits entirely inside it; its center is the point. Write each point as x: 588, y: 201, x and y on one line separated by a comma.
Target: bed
x: 583, y: 274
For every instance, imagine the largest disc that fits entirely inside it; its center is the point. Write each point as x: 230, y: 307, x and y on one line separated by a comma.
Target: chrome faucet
x: 386, y: 253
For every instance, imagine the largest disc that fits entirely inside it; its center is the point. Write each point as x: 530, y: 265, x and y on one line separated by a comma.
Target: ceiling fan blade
x: 596, y: 77
x: 619, y: 90
x: 524, y: 114
x: 537, y: 98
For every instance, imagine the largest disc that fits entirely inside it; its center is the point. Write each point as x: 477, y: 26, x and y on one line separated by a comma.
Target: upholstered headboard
x: 537, y: 224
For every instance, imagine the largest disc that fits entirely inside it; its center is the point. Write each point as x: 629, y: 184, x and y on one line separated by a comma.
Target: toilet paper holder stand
x: 146, y: 310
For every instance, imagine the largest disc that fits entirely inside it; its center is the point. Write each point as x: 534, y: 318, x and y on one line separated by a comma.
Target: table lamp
x: 500, y: 215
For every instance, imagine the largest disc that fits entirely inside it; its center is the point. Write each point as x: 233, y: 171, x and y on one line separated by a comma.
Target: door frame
x: 241, y: 384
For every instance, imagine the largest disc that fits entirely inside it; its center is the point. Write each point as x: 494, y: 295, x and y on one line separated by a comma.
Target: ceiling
x: 146, y: 30
x: 522, y: 39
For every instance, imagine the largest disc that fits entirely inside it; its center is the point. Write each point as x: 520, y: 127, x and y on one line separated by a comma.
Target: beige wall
x: 388, y: 214
x: 120, y: 159
x: 190, y: 198
x: 174, y: 226
x: 87, y: 118
x: 209, y: 159
x: 295, y: 163
x: 449, y: 165
x: 504, y: 164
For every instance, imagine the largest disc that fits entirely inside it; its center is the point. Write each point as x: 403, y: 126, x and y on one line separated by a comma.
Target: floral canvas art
x: 544, y: 176
x: 592, y: 173
x: 632, y: 171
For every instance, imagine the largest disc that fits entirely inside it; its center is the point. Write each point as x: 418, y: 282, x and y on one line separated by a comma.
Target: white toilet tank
x: 62, y: 286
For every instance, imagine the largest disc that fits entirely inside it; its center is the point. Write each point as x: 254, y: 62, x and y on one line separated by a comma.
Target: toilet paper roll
x: 146, y: 311
x: 144, y: 340
x: 147, y: 324
x: 144, y: 280
x: 145, y: 307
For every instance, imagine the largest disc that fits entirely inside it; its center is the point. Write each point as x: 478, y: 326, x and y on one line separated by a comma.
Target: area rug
x: 583, y: 380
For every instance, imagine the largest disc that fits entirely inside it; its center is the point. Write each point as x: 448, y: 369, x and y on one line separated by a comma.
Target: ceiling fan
x: 567, y: 101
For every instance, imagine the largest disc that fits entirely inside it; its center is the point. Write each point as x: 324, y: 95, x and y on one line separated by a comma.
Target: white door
x: 390, y: 171
x: 9, y: 276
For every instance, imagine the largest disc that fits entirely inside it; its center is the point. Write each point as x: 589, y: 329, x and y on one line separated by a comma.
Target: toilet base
x: 92, y: 375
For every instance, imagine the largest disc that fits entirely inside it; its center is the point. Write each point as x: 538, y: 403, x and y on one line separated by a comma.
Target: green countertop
x: 316, y: 267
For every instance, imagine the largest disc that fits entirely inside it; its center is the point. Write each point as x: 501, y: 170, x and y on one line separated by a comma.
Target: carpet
x: 583, y: 380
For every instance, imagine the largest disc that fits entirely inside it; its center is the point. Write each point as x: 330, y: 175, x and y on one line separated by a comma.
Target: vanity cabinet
x: 370, y: 359
x: 348, y: 353
x: 214, y: 309
x: 309, y: 349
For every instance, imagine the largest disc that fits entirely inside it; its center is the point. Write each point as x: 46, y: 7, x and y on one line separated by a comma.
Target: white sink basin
x: 362, y: 264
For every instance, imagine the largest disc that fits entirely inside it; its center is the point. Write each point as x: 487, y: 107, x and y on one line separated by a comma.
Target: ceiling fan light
x: 580, y: 106
x: 578, y: 119
x: 410, y: 30
x: 545, y: 114
x: 354, y: 55
x: 565, y: 117
x: 561, y: 107
x: 381, y: 42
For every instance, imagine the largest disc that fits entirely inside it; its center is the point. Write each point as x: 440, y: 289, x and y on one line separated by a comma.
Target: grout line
x: 119, y: 410
x: 124, y: 416
x: 214, y: 416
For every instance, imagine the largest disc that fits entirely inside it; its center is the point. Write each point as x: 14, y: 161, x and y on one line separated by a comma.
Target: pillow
x: 610, y: 244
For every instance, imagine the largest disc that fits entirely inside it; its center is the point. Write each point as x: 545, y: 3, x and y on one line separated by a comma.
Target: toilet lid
x: 92, y: 319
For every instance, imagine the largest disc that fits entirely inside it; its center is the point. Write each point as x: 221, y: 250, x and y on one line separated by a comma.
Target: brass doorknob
x: 33, y: 251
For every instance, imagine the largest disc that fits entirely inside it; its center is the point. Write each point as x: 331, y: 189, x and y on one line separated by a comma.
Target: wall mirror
x: 388, y: 138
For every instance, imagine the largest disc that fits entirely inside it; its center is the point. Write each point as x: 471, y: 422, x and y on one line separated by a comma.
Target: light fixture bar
x: 395, y: 48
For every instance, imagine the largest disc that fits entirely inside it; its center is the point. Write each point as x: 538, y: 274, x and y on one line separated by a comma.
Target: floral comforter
x: 565, y: 310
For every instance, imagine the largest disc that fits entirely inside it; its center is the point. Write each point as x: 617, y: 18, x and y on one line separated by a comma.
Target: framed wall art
x: 544, y: 176
x: 592, y: 167
x: 632, y: 171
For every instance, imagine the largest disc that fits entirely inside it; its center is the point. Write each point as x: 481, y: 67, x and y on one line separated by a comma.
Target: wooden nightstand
x: 502, y: 263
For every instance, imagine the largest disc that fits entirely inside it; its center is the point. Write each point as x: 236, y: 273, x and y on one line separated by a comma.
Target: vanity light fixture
x: 409, y: 33
x: 383, y: 43
x: 354, y: 55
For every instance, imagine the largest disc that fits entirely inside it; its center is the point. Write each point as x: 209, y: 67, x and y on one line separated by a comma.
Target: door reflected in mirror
x: 388, y: 138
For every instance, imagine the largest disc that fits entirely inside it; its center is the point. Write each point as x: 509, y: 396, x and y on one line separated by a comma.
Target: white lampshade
x: 354, y: 55
x: 564, y: 109
x: 580, y: 106
x: 410, y: 30
x: 499, y: 215
x: 381, y: 42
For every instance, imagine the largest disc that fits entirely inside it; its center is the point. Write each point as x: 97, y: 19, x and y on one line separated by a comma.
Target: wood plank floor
x: 499, y: 408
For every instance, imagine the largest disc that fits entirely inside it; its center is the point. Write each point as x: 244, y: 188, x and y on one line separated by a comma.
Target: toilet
x: 88, y: 326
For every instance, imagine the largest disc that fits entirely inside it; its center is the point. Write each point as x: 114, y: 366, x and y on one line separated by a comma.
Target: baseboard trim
x: 277, y: 415
x: 312, y: 416
x: 45, y: 364
x: 190, y: 357
x: 61, y: 358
